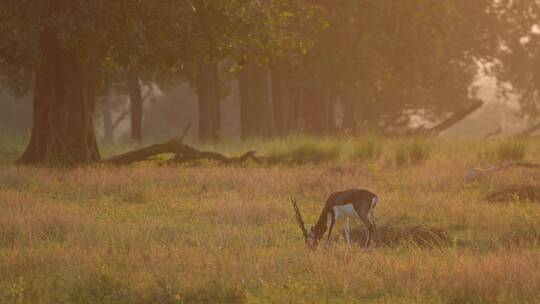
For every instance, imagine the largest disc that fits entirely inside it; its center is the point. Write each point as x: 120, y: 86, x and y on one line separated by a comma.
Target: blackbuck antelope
x: 357, y: 203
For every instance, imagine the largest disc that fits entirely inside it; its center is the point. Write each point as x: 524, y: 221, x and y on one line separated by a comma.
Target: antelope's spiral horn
x: 299, y: 217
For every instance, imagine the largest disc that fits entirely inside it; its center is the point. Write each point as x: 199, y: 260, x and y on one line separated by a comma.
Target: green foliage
x: 304, y: 150
x: 516, y: 60
x: 168, y: 37
x: 506, y: 150
x: 403, y: 55
x: 413, y: 153
x: 366, y: 150
x: 511, y: 150
x: 11, y: 148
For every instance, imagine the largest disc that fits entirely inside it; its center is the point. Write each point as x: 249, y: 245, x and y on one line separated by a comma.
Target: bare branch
x: 188, y: 126
x: 119, y: 119
x: 497, y: 131
x: 528, y: 131
x: 479, y: 173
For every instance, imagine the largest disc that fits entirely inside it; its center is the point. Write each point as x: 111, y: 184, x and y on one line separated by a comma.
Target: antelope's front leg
x: 330, y: 223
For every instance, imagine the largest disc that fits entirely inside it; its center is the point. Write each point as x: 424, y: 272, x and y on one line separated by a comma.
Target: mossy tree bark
x: 64, y: 104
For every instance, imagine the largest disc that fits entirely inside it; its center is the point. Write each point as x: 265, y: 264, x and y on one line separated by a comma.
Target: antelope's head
x: 309, y: 235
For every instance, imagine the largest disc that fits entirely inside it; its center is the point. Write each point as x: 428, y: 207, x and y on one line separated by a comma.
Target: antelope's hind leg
x: 346, y: 229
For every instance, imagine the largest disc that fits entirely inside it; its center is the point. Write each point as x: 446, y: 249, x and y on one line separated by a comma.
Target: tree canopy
x: 159, y: 35
x: 392, y: 58
x: 67, y: 45
x: 517, y: 58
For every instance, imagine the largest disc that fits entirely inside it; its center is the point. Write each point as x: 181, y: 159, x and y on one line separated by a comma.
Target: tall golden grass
x: 211, y: 234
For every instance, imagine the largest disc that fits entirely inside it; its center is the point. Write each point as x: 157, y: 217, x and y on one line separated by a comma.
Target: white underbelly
x: 345, y: 211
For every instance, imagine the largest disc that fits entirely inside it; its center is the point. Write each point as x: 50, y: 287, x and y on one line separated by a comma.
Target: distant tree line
x: 296, y: 62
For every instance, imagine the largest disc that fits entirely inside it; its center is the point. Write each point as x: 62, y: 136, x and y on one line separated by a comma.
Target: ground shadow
x: 524, y: 193
x: 394, y: 236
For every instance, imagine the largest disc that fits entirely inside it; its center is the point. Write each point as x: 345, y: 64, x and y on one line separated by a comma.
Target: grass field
x: 211, y: 234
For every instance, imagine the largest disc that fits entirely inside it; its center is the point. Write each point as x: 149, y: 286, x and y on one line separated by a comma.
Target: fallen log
x: 183, y: 154
x: 480, y: 173
x: 172, y: 146
x: 209, y: 155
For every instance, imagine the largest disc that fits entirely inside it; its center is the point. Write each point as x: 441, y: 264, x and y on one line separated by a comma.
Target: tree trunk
x: 249, y: 113
x: 331, y: 116
x: 315, y: 112
x: 256, y: 107
x: 209, y: 110
x: 349, y: 111
x: 278, y: 101
x: 107, y: 120
x: 293, y: 117
x: 263, y: 91
x: 64, y: 104
x: 136, y: 101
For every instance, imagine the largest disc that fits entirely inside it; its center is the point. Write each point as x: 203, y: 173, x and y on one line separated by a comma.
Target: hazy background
x: 167, y: 112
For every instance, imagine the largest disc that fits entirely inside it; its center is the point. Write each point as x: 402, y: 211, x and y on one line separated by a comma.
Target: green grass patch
x: 304, y: 151
x: 366, y: 150
x: 512, y: 150
x: 507, y: 150
x: 412, y: 153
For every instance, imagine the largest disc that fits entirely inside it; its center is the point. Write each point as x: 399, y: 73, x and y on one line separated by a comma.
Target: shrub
x: 419, y: 152
x: 366, y: 150
x: 512, y: 150
x: 305, y: 151
x: 413, y: 153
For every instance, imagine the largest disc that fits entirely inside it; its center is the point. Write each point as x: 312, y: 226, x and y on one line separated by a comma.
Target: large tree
x: 66, y: 45
x: 384, y: 60
x: 517, y: 59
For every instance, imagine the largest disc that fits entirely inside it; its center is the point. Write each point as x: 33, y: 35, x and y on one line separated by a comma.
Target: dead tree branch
x: 183, y: 154
x: 188, y: 126
x: 397, y: 125
x: 120, y: 117
x: 495, y: 132
x: 209, y: 155
x: 173, y: 146
x: 479, y: 173
x: 456, y: 117
x: 528, y: 131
